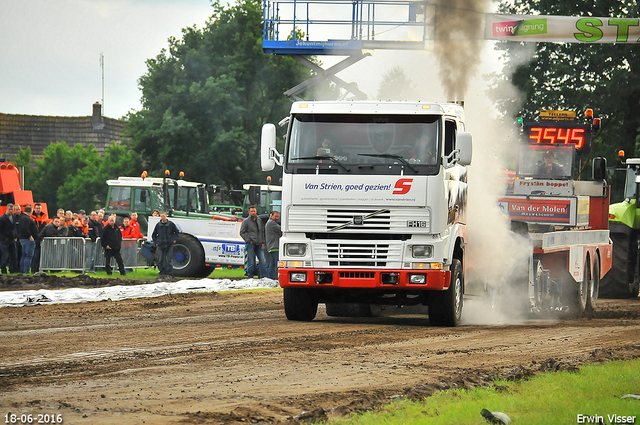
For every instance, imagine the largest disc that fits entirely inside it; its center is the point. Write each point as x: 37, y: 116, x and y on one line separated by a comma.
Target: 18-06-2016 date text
x: 29, y: 418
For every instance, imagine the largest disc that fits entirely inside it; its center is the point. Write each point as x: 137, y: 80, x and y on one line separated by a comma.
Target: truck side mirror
x: 254, y: 195
x: 599, y: 169
x: 267, y: 145
x: 464, y: 144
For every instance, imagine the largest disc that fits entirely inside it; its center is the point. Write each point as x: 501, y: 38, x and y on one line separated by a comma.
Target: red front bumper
x: 435, y: 280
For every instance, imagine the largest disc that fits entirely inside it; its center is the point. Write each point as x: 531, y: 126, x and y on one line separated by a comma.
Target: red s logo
x: 402, y: 186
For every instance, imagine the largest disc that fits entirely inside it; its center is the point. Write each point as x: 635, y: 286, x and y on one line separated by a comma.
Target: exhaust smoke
x: 460, y: 56
x: 496, y: 258
x: 459, y: 40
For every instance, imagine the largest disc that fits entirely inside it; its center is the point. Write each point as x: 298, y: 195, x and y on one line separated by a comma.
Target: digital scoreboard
x: 559, y: 133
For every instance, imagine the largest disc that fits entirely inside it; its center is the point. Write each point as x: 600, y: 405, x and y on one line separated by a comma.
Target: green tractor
x: 624, y: 227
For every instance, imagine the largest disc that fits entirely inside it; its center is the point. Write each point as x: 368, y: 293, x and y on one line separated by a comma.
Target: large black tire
x: 205, y: 271
x: 617, y: 282
x: 582, y: 293
x: 445, y: 307
x: 187, y: 257
x: 353, y: 310
x: 300, y: 304
x: 594, y: 287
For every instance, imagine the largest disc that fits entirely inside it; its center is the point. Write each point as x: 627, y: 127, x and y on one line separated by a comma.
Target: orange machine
x: 11, y: 188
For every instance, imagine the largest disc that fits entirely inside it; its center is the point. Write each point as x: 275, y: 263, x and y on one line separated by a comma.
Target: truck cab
x: 265, y: 197
x: 373, y: 206
x: 179, y: 198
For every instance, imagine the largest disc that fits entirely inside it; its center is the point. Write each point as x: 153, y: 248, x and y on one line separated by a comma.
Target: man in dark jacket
x: 74, y: 230
x: 252, y: 231
x: 8, y: 241
x: 272, y: 235
x: 165, y: 234
x: 17, y: 211
x: 94, y: 232
x: 111, y: 242
x: 27, y: 235
x: 41, y: 220
x: 51, y: 230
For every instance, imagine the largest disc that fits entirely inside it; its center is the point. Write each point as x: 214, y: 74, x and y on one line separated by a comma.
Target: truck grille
x: 354, y: 254
x: 394, y: 220
x: 358, y: 275
x: 381, y: 221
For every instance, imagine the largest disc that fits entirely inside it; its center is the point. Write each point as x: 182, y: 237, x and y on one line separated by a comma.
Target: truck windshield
x: 546, y: 162
x: 361, y: 143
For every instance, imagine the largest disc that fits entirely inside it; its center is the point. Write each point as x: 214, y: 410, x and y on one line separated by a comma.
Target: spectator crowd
x: 23, y: 229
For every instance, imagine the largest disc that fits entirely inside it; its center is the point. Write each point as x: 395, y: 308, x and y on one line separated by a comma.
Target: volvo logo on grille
x: 358, y: 220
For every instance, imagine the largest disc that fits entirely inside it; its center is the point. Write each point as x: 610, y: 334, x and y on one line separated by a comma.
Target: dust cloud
x: 497, y: 259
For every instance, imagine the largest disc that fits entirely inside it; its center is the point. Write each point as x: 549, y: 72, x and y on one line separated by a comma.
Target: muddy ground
x: 234, y: 358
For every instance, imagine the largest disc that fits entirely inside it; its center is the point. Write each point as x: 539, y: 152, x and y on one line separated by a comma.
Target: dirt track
x: 233, y: 357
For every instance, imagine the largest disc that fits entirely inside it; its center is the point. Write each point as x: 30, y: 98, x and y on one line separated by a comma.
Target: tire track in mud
x: 236, y: 358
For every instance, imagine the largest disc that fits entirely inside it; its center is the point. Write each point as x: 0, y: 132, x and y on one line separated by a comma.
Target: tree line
x: 206, y: 97
x: 571, y: 76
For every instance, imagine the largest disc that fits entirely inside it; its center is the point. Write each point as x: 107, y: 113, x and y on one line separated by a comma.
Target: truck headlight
x: 418, y: 278
x: 298, y: 276
x: 422, y: 251
x: 295, y: 249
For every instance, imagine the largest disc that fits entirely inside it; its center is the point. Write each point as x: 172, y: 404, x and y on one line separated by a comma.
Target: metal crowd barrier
x: 62, y: 254
x: 79, y: 254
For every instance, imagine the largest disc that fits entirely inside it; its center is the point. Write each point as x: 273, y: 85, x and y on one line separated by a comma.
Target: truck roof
x: 266, y: 187
x: 148, y: 182
x: 378, y: 107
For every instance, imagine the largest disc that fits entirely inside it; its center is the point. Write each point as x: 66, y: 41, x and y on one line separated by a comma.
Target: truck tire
x: 300, y: 304
x: 187, y: 257
x: 582, y: 292
x: 617, y: 282
x: 445, y: 307
x: 594, y: 287
x: 205, y: 271
x: 353, y: 310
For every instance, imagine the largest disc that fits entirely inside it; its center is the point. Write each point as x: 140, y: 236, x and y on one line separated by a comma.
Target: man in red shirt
x: 134, y: 222
x: 129, y: 231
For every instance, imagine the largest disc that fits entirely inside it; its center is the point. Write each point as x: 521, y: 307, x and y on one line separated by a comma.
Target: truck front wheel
x: 300, y: 304
x: 187, y: 257
x: 445, y: 307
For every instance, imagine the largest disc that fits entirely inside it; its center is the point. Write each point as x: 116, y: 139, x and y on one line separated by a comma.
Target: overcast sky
x: 50, y: 51
x: 50, y: 55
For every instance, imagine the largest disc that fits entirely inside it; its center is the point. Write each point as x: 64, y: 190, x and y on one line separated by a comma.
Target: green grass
x: 552, y: 398
x: 150, y: 274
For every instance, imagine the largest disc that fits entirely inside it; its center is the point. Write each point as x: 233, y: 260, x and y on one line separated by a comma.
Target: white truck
x: 206, y: 239
x: 203, y: 245
x: 373, y: 206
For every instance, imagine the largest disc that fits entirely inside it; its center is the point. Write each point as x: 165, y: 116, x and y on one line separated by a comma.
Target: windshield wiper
x: 319, y: 157
x: 391, y: 156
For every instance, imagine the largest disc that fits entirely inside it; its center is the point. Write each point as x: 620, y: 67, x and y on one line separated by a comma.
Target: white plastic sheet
x: 117, y: 293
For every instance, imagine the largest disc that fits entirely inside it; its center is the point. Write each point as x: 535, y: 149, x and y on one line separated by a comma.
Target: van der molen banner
x: 563, y: 29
